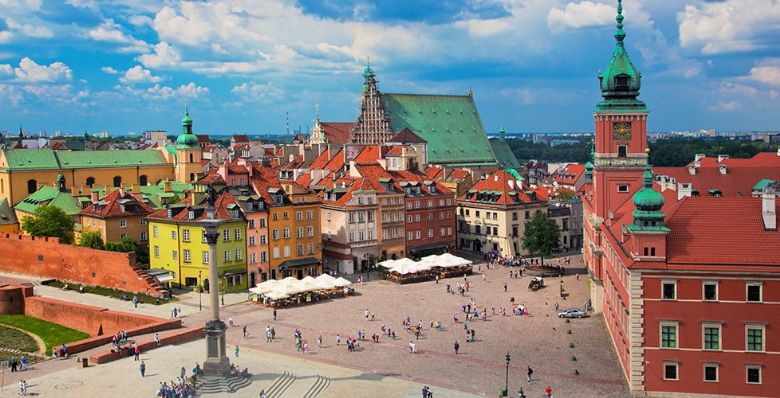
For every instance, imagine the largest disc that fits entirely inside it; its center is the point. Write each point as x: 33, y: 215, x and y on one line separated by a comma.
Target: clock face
x: 622, y: 130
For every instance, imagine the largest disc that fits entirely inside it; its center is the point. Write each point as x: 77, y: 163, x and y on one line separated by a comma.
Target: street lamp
x: 200, y: 291
x: 506, y: 385
x: 222, y: 286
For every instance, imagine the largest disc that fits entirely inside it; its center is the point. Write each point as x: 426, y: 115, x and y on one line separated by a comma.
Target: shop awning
x: 234, y: 273
x: 301, y: 262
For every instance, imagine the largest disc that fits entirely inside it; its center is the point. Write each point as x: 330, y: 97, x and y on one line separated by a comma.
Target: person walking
x: 22, y: 388
x: 236, y: 350
x: 338, y: 339
x: 530, y: 373
x: 137, y: 352
x: 456, y: 346
x: 274, y: 313
x: 183, y: 373
x: 142, y: 367
x: 548, y: 391
x: 504, y: 287
x: 157, y: 339
x: 244, y: 330
x: 319, y: 341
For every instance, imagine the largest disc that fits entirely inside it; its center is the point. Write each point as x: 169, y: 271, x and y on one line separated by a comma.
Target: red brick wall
x: 177, y: 337
x: 24, y: 254
x: 12, y: 298
x: 88, y: 319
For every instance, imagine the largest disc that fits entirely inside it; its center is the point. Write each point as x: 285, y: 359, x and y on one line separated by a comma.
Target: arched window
x: 117, y: 181
x: 32, y: 186
x: 192, y: 177
x: 143, y: 180
x: 191, y: 161
x: 90, y: 181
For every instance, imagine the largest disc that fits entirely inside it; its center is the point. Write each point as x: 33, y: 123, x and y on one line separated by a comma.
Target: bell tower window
x: 622, y: 151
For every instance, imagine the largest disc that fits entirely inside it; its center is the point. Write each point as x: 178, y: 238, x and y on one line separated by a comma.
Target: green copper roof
x: 49, y: 196
x: 761, y: 184
x: 648, y: 216
x: 620, y: 81
x: 31, y: 159
x: 155, y: 193
x: 449, y: 123
x: 186, y: 139
x: 514, y: 174
x: 92, y: 159
x: 47, y: 159
x: 503, y: 154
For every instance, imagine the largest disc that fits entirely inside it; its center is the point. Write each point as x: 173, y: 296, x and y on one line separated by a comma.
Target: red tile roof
x: 741, y: 174
x: 458, y: 175
x: 434, y: 172
x: 406, y: 136
x: 499, y: 183
x: 722, y: 231
x: 570, y: 174
x: 337, y: 132
x: 240, y: 138
x: 111, y: 205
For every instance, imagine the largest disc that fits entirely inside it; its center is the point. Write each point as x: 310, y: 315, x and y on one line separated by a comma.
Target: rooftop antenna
x: 317, y: 110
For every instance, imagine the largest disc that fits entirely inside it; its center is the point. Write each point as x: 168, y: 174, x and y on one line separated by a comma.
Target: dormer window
x: 621, y: 82
x: 192, y: 215
x: 433, y: 188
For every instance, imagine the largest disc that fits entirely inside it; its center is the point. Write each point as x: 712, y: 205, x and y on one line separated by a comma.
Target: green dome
x: 186, y: 120
x: 648, y: 199
x: 620, y: 81
x: 187, y: 140
x: 589, y: 166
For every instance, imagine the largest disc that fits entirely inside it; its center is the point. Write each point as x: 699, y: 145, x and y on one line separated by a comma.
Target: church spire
x: 620, y: 35
x: 620, y: 81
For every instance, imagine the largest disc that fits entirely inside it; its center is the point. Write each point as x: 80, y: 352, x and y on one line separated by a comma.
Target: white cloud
x: 158, y: 92
x: 140, y: 20
x: 138, y: 74
x: 38, y: 32
x: 10, y: 94
x: 6, y: 69
x: 164, y: 55
x: 82, y: 3
x: 54, y: 93
x: 265, y: 93
x: 730, y: 25
x: 5, y: 36
x: 109, y: 70
x: 767, y: 73
x: 109, y: 31
x: 581, y: 15
x: 20, y: 5
x: 484, y: 27
x: 730, y: 106
x: 30, y: 71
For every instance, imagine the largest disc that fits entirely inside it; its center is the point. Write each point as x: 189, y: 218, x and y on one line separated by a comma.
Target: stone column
x: 217, y: 364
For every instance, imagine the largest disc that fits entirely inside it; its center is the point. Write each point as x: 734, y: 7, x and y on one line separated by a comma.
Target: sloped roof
x: 449, y: 123
x: 406, y: 136
x: 497, y: 186
x: 222, y: 203
x: 7, y: 214
x: 45, y: 159
x: 49, y: 196
x: 741, y: 174
x: 570, y: 174
x: 337, y: 132
x: 24, y: 159
x: 504, y: 156
x: 118, y: 203
x: 721, y: 231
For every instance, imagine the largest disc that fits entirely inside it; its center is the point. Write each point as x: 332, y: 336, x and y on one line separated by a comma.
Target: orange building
x: 117, y: 215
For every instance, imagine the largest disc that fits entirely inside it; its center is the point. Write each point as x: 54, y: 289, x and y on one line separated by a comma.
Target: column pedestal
x: 217, y: 364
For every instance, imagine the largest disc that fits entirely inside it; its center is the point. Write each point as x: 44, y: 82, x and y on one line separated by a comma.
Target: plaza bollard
x: 504, y: 393
x: 84, y: 362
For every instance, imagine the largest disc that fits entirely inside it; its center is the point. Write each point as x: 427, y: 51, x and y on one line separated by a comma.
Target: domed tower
x: 621, y: 130
x: 648, y: 230
x: 188, y: 151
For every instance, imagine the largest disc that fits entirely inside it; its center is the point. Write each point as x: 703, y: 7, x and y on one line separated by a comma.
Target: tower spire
x: 620, y: 35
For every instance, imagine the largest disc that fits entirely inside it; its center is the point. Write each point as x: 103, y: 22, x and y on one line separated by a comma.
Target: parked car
x: 572, y: 313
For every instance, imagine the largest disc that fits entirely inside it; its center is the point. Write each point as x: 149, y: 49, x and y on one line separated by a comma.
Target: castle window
x: 117, y: 181
x: 191, y: 161
x: 192, y: 176
x: 90, y: 181
x: 32, y: 186
x: 621, y: 82
x: 622, y: 151
x: 143, y: 180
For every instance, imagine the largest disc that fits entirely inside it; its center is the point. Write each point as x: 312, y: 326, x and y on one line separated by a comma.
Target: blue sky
x: 130, y: 65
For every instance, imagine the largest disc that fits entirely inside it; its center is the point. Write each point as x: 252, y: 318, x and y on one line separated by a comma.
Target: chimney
x: 692, y: 170
x: 135, y: 188
x: 723, y: 169
x: 167, y: 186
x: 768, y: 209
x: 94, y: 196
x: 698, y: 157
x: 511, y: 184
x: 684, y: 190
x: 722, y: 158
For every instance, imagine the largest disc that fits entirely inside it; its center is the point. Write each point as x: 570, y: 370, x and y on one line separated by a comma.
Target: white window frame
x: 185, y: 235
x: 676, y: 373
x: 205, y: 257
x: 122, y: 223
x: 704, y: 372
x: 186, y: 256
x: 703, y: 287
x: 760, y: 374
x: 676, y: 325
x: 157, y: 252
x: 226, y: 255
x: 760, y: 292
x: 623, y: 188
x: 226, y: 235
x: 754, y: 326
x: 155, y: 231
x: 664, y: 282
x: 711, y: 325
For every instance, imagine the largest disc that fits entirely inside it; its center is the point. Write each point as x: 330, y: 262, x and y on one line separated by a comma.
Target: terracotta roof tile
x: 118, y: 203
x: 337, y: 132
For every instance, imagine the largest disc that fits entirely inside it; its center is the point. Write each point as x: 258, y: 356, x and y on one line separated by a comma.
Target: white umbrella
x: 341, y: 282
x: 453, y: 261
x: 276, y: 295
x: 267, y: 286
x: 387, y: 263
x: 324, y: 283
x: 308, y: 284
x: 325, y: 277
x: 256, y: 290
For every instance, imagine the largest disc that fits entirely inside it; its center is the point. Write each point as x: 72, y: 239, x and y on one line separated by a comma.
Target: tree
x: 565, y: 194
x: 50, y: 221
x: 127, y: 245
x: 542, y: 236
x: 92, y: 239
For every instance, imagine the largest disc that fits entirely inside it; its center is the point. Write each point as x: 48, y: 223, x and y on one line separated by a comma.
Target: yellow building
x: 295, y: 242
x: 177, y: 243
x: 23, y: 171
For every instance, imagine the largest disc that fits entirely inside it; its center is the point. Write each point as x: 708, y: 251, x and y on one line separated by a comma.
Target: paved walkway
x: 122, y: 378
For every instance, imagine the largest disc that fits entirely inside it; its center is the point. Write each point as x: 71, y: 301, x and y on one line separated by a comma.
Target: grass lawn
x: 108, y: 292
x: 51, y: 333
x: 17, y: 340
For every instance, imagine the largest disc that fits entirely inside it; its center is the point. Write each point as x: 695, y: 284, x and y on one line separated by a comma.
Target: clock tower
x: 621, y: 130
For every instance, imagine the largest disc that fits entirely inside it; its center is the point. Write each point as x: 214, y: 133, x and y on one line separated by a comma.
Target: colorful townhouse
x: 177, y: 242
x: 118, y: 215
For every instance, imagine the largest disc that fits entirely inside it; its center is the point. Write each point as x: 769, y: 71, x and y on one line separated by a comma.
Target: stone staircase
x: 319, y: 386
x: 155, y: 289
x: 209, y: 385
x: 281, y: 384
